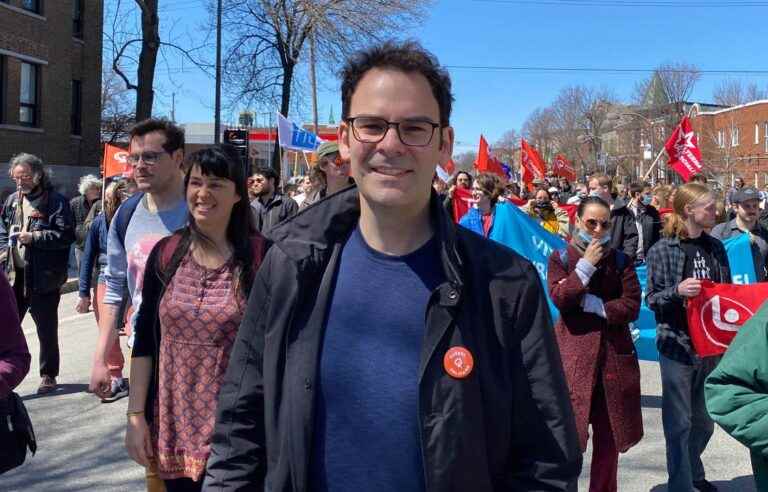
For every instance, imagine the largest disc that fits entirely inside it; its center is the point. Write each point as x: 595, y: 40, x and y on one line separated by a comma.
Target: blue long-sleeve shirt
x: 95, y: 252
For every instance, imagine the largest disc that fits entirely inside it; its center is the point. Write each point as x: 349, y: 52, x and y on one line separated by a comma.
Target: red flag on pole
x: 450, y: 167
x: 486, y: 163
x: 562, y: 167
x: 115, y: 161
x: 531, y: 164
x: 715, y: 315
x: 683, y: 150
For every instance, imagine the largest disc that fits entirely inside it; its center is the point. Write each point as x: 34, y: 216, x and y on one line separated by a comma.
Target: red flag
x: 531, y: 164
x: 683, y: 150
x: 571, y: 211
x: 115, y: 161
x: 486, y: 163
x: 449, y: 167
x: 462, y: 200
x: 715, y: 315
x: 563, y: 168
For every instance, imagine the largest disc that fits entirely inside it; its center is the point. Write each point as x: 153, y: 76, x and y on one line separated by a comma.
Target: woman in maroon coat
x: 596, y: 290
x: 14, y: 354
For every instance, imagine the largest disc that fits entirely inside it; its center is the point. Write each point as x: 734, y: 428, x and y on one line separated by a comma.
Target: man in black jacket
x: 647, y: 219
x: 384, y: 348
x: 269, y: 206
x: 36, y: 232
x: 623, y: 228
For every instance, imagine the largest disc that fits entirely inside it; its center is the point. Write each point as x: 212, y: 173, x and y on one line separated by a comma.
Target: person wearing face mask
x: 746, y: 202
x: 486, y: 190
x: 547, y: 214
x: 595, y: 287
x: 623, y: 229
x: 647, y: 219
x: 582, y: 191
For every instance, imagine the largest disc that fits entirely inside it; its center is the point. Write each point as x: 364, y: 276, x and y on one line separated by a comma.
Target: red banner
x: 717, y: 313
x: 115, y: 162
x: 486, y: 163
x: 450, y: 167
x: 562, y: 167
x: 683, y: 150
x: 462, y: 200
x: 531, y: 164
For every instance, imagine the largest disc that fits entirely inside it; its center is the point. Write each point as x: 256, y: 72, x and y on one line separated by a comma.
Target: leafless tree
x: 504, y: 148
x: 117, y: 106
x: 267, y: 39
x: 133, y: 41
x: 539, y: 130
x: 465, y: 161
x: 733, y: 92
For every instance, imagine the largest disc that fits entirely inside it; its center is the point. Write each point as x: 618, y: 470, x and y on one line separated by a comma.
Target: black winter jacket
x: 508, y: 426
x: 48, y: 256
x: 623, y: 229
x: 268, y: 215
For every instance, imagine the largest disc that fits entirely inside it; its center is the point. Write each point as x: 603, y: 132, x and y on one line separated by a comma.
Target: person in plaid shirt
x: 677, y: 264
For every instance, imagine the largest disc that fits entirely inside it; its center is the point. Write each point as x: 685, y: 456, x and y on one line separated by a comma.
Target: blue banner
x: 293, y: 137
x: 740, y: 259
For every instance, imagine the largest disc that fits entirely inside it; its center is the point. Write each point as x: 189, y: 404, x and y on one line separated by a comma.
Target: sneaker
x: 704, y: 486
x: 47, y: 385
x: 119, y: 389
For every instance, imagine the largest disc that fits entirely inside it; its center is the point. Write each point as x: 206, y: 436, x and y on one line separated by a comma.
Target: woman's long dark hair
x: 223, y: 161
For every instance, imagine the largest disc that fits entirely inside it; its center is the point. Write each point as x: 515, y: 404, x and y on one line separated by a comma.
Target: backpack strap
x: 124, y: 214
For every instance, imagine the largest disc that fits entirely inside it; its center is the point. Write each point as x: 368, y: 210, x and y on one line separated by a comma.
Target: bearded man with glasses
x: 383, y: 347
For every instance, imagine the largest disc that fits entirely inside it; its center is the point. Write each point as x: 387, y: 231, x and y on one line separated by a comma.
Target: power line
x: 501, y: 68
x: 633, y: 3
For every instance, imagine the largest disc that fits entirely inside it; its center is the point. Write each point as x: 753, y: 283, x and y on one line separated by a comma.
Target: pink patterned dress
x: 200, y: 313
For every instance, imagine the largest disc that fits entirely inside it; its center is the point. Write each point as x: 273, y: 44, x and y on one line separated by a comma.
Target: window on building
x: 28, y: 105
x: 32, y: 5
x: 765, y: 136
x: 735, y: 136
x: 721, y: 138
x: 77, y: 18
x: 757, y: 133
x: 3, y: 88
x: 76, y: 115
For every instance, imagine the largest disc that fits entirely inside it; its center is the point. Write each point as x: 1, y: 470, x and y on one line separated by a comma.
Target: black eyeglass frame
x: 396, y: 124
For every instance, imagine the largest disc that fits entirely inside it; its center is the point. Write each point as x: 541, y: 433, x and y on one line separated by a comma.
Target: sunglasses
x: 593, y: 223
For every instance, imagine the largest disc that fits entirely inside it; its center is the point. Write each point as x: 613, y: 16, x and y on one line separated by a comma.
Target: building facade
x: 734, y: 141
x: 50, y: 86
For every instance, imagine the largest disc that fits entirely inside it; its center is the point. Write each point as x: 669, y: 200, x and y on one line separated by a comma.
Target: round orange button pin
x: 458, y: 362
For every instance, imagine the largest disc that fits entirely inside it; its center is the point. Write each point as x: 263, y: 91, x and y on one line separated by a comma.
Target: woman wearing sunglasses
x: 334, y: 171
x: 597, y: 292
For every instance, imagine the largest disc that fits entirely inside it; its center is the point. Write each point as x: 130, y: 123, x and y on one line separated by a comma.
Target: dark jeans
x: 687, y: 425
x: 44, y: 309
x: 183, y: 485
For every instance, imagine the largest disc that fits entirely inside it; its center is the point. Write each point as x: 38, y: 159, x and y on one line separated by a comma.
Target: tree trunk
x: 285, y: 104
x: 150, y: 45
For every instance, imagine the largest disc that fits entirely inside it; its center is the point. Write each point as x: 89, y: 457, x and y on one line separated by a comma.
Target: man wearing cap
x: 746, y: 203
x: 384, y: 348
x: 335, y: 172
x: 269, y: 206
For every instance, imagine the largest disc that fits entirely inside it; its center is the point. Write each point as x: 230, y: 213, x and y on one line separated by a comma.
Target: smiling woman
x: 194, y: 296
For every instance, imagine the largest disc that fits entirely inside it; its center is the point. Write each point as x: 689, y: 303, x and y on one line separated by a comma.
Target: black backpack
x: 16, y: 433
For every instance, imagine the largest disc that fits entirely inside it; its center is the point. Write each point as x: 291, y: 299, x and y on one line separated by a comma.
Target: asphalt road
x: 81, y: 440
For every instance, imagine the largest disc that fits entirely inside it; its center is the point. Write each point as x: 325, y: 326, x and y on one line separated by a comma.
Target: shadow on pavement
x: 738, y: 484
x: 62, y: 389
x: 650, y: 401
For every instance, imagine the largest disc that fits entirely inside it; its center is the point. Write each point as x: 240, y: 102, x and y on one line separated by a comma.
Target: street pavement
x: 80, y: 440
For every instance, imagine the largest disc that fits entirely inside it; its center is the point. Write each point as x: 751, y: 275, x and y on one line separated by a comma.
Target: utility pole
x: 312, y: 76
x: 217, y: 116
x: 173, y: 106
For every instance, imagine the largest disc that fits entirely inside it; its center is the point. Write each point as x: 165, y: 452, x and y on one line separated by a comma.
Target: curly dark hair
x: 174, y: 135
x: 408, y: 56
x: 491, y: 185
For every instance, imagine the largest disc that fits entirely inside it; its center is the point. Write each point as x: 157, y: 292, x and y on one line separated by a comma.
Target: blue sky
x: 478, y: 33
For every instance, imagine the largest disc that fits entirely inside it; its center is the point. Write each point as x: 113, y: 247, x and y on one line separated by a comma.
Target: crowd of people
x: 354, y: 332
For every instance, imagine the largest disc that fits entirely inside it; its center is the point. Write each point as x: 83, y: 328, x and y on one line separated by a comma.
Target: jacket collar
x: 311, y: 234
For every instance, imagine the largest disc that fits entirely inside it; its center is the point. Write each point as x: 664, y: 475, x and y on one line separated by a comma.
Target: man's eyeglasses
x: 593, y: 223
x: 148, y: 158
x: 416, y: 133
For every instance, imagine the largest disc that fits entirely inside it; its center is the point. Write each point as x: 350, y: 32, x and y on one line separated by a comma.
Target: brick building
x: 50, y: 86
x: 734, y: 141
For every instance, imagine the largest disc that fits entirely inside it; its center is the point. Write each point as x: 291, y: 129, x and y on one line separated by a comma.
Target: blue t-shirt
x: 366, y: 433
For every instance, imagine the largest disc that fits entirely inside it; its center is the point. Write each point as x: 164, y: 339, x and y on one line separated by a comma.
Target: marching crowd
x: 359, y: 331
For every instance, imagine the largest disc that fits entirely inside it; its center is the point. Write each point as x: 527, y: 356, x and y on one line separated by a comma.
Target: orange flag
x: 486, y: 163
x: 531, y: 164
x: 115, y: 162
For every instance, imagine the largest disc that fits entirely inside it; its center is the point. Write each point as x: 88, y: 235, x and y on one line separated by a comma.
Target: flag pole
x: 663, y: 148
